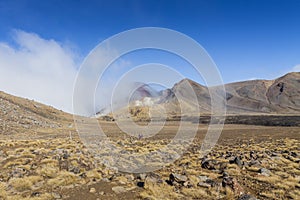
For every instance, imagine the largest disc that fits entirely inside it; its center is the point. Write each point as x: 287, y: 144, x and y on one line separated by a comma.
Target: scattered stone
x: 237, y: 161
x: 274, y: 154
x: 264, y: 172
x: 65, y: 155
x: 254, y: 163
x: 209, y: 164
x: 63, y: 165
x: 253, y: 155
x: 129, y: 177
x: 105, y: 180
x: 18, y: 173
x: 247, y: 197
x: 140, y: 184
x: 119, y: 189
x: 295, y: 154
x: 178, y: 178
x: 187, y: 184
x: 203, y: 184
x: 131, y: 188
x: 222, y: 166
x: 75, y: 170
x: 202, y: 178
x: 225, y: 175
x: 92, y: 190
x: 212, y: 183
x: 36, y: 152
x: 35, y: 194
x: 142, y: 176
x: 112, y: 177
x: 122, y: 182
x: 83, y: 175
x: 233, y: 184
x: 154, y: 178
x: 56, y: 195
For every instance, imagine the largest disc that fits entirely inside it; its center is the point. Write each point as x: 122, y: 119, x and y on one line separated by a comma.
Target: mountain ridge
x: 278, y: 96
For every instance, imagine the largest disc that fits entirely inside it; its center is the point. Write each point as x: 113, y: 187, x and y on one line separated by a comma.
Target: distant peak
x: 183, y: 81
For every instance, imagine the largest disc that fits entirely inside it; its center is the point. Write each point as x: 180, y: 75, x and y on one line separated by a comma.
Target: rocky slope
x: 280, y: 96
x: 19, y: 115
x: 277, y: 97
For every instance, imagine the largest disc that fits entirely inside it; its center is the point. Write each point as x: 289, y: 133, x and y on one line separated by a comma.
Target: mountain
x: 256, y: 97
x: 279, y: 96
x: 19, y: 115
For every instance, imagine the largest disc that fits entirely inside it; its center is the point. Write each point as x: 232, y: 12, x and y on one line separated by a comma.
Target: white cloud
x: 39, y: 69
x: 296, y: 68
x: 46, y: 70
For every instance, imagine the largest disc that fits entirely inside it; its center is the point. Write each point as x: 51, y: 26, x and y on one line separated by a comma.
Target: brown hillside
x: 19, y: 115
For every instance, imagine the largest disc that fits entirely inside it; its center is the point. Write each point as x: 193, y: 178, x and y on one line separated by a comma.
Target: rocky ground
x: 62, y: 168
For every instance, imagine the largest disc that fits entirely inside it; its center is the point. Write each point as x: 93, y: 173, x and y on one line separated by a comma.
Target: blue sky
x: 246, y: 39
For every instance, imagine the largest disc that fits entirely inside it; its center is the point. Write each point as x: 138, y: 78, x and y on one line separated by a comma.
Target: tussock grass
x: 63, y: 178
x: 233, y: 169
x: 155, y: 191
x: 21, y: 184
x: 229, y: 193
x: 41, y: 197
x: 94, y: 174
x: 11, y: 164
x: 267, y: 194
x: 49, y: 161
x: 48, y: 170
x: 295, y: 194
x: 3, y: 192
x: 253, y: 168
x: 43, y: 172
x: 195, y: 193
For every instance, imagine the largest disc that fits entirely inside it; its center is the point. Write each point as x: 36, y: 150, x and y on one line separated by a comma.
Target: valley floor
x: 248, y: 162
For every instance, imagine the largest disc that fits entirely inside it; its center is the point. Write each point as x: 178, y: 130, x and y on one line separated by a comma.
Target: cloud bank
x: 46, y: 70
x: 39, y: 69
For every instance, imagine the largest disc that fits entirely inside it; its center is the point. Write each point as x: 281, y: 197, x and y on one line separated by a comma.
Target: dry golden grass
x: 48, y: 170
x: 194, y: 179
x: 94, y: 174
x: 11, y: 164
x: 49, y: 161
x: 193, y: 171
x: 253, y: 168
x: 159, y: 191
x: 63, y: 178
x: 195, y: 193
x: 287, y: 183
x: 3, y: 193
x: 273, y: 179
x: 233, y: 169
x: 21, y: 184
x: 41, y: 197
x: 279, y: 193
x: 229, y: 193
x: 268, y: 194
x: 294, y: 194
